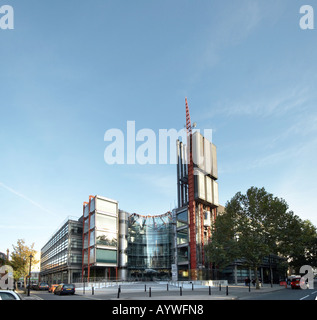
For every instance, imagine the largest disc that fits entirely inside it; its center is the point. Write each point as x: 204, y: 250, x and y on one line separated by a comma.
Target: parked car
x: 41, y: 286
x: 53, y: 287
x: 65, y: 289
x: 295, y: 283
x: 9, y: 295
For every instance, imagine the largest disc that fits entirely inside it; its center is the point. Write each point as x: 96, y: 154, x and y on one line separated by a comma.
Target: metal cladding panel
x: 123, y: 223
x: 208, y: 189
x: 214, y: 161
x: 106, y: 206
x: 185, y: 159
x: 215, y: 193
x: 201, y: 186
x: 207, y: 156
x: 198, y: 150
x: 207, y: 219
x: 181, y: 171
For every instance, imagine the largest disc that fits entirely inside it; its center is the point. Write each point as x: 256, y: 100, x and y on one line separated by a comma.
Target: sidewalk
x: 235, y: 292
x: 25, y: 296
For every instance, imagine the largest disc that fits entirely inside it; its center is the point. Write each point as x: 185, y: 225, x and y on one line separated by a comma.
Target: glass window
x: 85, y: 257
x: 92, y: 221
x: 183, y: 216
x: 92, y: 238
x: 182, y: 254
x: 181, y: 224
x: 92, y: 205
x: 106, y: 222
x: 7, y: 296
x: 86, y: 211
x: 85, y: 241
x: 106, y: 256
x: 86, y: 226
x: 92, y: 255
x: 106, y: 238
x: 182, y: 236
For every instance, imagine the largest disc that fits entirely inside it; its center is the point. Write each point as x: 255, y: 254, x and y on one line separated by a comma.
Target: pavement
x: 235, y: 292
x: 159, y: 292
x: 26, y: 297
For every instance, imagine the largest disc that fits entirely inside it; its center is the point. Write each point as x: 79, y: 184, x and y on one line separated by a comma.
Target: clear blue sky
x: 71, y: 70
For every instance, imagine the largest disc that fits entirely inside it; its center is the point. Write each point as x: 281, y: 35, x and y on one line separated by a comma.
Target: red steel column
x: 202, y: 233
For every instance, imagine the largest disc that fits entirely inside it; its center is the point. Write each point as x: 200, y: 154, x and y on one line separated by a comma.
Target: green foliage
x: 257, y: 224
x: 20, y: 259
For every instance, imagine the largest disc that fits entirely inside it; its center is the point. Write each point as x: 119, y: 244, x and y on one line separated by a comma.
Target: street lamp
x: 30, y: 275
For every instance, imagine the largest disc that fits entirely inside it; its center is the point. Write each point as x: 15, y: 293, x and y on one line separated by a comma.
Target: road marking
x: 304, y: 297
x: 314, y: 292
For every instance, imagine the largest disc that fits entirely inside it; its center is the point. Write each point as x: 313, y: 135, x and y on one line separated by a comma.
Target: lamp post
x: 30, y: 275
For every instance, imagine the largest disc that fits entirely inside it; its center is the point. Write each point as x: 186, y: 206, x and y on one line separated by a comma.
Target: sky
x: 72, y: 70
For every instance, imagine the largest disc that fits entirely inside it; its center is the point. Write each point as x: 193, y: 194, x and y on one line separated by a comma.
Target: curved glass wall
x: 150, y: 241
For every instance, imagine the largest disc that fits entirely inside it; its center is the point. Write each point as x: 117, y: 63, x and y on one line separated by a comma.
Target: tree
x: 20, y: 260
x: 299, y: 242
x: 248, y: 229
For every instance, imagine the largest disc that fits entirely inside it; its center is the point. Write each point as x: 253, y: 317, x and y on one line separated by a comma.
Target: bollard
x: 192, y: 287
x: 249, y: 287
x: 92, y: 290
x: 145, y: 288
x: 227, y: 290
x: 210, y: 290
x: 219, y: 286
x: 118, y: 295
x: 150, y: 292
x: 167, y: 286
x: 180, y: 291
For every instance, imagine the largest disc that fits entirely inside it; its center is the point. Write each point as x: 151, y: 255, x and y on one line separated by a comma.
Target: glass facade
x: 150, y: 241
x: 100, y: 231
x: 61, y: 257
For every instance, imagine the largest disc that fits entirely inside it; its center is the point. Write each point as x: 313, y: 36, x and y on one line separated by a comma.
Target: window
x: 7, y: 296
x: 92, y: 238
x: 183, y: 216
x: 182, y: 236
x: 106, y: 222
x: 182, y: 254
x: 106, y: 256
x: 106, y: 238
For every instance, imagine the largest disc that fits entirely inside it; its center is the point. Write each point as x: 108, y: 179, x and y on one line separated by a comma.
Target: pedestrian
x: 253, y: 282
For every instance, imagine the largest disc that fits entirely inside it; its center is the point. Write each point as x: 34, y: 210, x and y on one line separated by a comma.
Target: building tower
x: 100, y: 238
x: 197, y: 193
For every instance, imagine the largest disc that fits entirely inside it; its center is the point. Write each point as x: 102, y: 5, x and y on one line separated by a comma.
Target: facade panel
x: 214, y: 161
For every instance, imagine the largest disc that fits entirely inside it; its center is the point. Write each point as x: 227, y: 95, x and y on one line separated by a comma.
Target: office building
x: 100, y: 238
x: 61, y: 256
